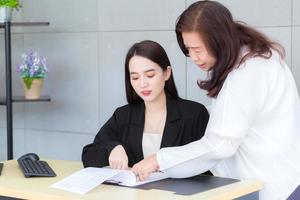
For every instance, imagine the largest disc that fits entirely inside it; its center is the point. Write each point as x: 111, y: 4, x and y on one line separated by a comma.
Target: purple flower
x: 33, y: 66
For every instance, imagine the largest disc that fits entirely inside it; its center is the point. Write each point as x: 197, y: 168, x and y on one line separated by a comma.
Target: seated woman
x: 155, y: 117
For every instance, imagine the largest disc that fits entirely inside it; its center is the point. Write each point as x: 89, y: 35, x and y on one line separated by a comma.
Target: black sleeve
x: 200, y: 123
x: 97, y: 153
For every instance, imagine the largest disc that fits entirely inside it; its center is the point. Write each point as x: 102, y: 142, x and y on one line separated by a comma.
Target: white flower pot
x: 5, y: 13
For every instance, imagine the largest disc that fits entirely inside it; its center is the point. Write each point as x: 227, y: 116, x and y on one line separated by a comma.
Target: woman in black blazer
x: 154, y: 108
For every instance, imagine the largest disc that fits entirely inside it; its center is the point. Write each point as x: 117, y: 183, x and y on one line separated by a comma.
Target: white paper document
x: 88, y: 178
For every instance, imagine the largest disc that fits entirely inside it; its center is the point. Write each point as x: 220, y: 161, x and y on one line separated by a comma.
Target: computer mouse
x: 31, y: 156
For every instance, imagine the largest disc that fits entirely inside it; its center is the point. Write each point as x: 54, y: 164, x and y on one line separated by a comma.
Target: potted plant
x: 32, y: 70
x: 6, y: 7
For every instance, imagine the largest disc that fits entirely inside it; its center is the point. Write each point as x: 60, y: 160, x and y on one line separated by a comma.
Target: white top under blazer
x: 253, y: 131
x: 151, y: 143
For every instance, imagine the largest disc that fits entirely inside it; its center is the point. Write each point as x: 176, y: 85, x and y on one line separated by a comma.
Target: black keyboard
x: 35, y: 168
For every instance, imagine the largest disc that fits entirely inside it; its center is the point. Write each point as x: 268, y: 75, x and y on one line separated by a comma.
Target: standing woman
x: 253, y: 131
x: 154, y: 117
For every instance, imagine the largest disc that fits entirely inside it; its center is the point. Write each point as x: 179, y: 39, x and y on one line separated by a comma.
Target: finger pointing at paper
x: 144, y: 168
x: 118, y: 158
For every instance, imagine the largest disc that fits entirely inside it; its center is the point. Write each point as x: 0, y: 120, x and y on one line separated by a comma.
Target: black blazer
x: 186, y: 122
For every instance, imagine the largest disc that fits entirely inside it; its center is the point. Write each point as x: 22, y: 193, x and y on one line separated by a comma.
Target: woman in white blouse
x: 253, y: 130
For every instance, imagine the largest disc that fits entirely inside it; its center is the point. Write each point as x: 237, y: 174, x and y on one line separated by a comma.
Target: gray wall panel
x: 72, y: 83
x: 63, y: 15
x: 296, y: 12
x: 138, y: 14
x: 258, y: 12
x: 56, y: 145
x: 296, y: 57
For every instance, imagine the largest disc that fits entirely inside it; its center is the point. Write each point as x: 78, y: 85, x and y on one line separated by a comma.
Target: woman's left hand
x: 145, y: 167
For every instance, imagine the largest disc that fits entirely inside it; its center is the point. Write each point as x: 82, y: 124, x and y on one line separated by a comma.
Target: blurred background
x: 85, y: 47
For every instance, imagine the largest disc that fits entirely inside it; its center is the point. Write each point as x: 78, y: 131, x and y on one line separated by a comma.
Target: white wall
x: 85, y: 46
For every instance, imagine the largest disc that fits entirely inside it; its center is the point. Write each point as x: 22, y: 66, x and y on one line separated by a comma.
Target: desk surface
x: 13, y: 184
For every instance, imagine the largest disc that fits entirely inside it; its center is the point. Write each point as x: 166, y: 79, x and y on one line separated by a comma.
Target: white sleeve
x: 196, y: 157
x: 240, y: 100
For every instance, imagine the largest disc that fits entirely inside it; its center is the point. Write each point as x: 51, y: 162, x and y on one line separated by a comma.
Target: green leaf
x: 28, y: 81
x: 10, y: 3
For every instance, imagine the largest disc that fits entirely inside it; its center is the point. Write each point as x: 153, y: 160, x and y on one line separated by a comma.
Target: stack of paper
x: 88, y: 178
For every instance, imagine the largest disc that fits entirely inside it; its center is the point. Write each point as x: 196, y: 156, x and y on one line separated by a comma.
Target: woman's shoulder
x: 257, y: 68
x: 262, y: 63
x: 127, y: 108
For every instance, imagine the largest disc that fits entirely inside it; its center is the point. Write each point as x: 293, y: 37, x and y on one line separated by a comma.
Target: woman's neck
x: 158, y: 105
x: 155, y: 115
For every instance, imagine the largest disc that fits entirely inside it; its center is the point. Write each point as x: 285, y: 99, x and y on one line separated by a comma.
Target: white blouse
x: 151, y: 143
x: 253, y: 131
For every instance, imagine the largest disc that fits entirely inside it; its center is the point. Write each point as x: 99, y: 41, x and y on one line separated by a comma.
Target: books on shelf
x: 88, y: 178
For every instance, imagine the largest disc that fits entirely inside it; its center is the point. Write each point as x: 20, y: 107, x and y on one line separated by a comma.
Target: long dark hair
x: 224, y: 39
x: 156, y: 53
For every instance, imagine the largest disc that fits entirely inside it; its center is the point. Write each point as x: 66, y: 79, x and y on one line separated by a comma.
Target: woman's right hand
x: 118, y: 158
